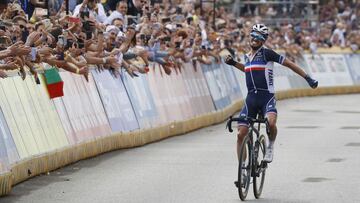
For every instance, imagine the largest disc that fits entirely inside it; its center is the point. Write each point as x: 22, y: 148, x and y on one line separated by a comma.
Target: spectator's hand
x: 85, y: 72
x: 19, y: 50
x: 3, y: 74
x: 312, y: 83
x: 230, y: 61
x: 45, y: 51
x: 11, y: 66
x: 33, y: 37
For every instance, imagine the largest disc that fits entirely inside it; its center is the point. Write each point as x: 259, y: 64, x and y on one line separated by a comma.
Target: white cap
x: 112, y: 28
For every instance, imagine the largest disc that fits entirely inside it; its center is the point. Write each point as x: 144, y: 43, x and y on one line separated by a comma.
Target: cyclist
x: 258, y: 70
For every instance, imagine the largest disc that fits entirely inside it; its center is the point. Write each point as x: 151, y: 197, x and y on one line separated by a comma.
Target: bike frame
x: 254, y: 149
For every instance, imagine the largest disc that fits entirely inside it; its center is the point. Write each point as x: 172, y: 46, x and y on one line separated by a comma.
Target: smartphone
x: 61, y: 40
x: 177, y: 44
x: 88, y: 35
x: 24, y: 35
x: 84, y: 14
x: 47, y: 23
x: 191, y: 42
x: 178, y: 10
x: 189, y: 20
x: 33, y: 53
x: 167, y: 38
x: 3, y: 40
x: 165, y: 20
x: 74, y: 20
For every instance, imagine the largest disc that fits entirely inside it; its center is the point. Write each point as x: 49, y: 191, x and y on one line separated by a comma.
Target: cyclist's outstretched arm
x: 312, y: 83
x: 230, y: 61
x: 294, y: 67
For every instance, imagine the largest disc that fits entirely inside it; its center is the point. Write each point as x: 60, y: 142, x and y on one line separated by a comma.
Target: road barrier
x: 39, y: 135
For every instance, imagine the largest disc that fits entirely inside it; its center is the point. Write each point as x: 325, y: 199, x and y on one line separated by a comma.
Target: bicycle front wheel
x: 244, y: 172
x: 259, y: 168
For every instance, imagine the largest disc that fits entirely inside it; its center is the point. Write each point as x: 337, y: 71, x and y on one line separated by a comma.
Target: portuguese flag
x: 54, y: 83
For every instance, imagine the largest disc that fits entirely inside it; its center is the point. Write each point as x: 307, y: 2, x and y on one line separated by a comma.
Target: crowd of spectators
x: 111, y: 34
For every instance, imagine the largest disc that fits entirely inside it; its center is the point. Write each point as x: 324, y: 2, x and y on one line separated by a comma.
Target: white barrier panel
x: 353, y: 61
x: 329, y: 69
x: 81, y: 110
x: 8, y: 151
x: 170, y: 96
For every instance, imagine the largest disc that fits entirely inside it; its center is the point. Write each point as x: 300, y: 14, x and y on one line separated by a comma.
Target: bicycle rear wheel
x: 259, y: 169
x: 244, y: 172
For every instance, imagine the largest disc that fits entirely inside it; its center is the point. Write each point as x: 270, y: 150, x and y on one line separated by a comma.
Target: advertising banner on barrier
x: 329, y: 69
x: 141, y: 98
x: 81, y: 109
x: 8, y: 151
x: 116, y: 102
x: 198, y: 91
x: 217, y: 84
x: 15, y: 115
x: 353, y: 61
x: 170, y: 96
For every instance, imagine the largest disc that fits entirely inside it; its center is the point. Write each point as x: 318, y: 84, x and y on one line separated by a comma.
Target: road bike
x: 252, y: 152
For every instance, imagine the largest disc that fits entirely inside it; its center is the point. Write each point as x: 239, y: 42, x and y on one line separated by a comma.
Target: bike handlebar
x: 251, y: 121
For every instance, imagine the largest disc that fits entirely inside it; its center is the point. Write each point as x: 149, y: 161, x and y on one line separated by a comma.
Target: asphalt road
x: 317, y: 159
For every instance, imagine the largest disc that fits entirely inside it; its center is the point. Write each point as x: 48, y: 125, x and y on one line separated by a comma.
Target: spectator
x: 119, y: 13
x: 91, y: 9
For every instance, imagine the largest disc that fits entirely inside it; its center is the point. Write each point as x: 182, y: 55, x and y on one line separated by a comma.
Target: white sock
x: 271, y: 144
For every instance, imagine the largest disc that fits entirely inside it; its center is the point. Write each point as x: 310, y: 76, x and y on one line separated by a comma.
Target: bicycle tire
x: 258, y: 181
x: 245, y: 147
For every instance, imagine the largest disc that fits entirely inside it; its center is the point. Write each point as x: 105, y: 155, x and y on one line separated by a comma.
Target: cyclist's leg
x: 271, y: 114
x: 243, y: 125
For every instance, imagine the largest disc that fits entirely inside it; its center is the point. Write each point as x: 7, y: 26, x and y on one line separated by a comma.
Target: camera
x: 84, y: 14
x: 189, y: 20
x: 178, y: 10
x: 3, y: 40
x: 177, y: 45
x: 191, y: 42
x: 167, y: 39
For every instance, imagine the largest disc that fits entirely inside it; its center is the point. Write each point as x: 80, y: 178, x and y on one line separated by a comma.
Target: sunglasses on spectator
x: 257, y: 36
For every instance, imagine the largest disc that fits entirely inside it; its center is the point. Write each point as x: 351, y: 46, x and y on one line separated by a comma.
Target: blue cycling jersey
x: 259, y: 70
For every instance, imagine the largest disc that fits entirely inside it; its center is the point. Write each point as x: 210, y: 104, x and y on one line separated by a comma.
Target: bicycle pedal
x: 264, y: 164
x: 236, y: 184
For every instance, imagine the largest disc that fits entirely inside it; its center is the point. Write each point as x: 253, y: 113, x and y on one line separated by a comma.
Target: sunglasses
x: 257, y: 36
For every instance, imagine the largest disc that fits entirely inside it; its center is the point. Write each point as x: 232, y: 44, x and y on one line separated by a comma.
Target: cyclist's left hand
x: 312, y: 82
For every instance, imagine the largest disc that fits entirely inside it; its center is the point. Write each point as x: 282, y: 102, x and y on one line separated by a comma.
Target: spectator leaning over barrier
x: 168, y: 34
x: 258, y: 68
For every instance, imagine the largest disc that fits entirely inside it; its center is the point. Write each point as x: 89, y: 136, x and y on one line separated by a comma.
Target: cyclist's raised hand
x: 312, y: 83
x: 230, y: 61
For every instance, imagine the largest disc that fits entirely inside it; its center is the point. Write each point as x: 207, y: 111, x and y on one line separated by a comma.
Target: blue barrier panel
x: 141, y: 98
x: 116, y: 102
x: 220, y: 92
x: 353, y: 61
x: 8, y: 151
x: 228, y: 71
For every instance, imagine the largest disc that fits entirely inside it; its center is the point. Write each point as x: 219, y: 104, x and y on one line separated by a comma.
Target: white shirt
x: 341, y: 36
x: 100, y: 16
x: 114, y: 15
